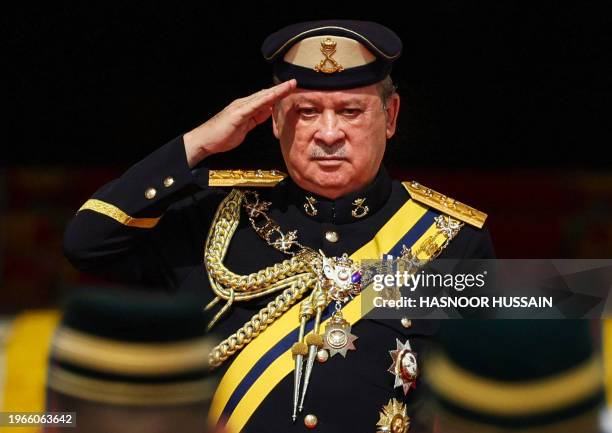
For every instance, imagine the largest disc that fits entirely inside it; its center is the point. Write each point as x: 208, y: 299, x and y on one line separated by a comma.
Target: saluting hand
x: 228, y: 128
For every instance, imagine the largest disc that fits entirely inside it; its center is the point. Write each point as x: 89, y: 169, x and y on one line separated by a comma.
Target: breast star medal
x: 393, y: 418
x: 404, y: 366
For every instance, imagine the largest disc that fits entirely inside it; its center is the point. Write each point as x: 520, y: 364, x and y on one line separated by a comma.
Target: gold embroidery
x: 250, y: 178
x: 309, y: 206
x: 360, y: 210
x: 445, y: 204
x: 118, y: 215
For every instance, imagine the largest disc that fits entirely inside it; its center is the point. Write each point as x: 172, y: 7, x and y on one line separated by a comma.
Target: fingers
x: 283, y: 89
x: 278, y: 91
x: 262, y: 115
x: 258, y: 117
x: 266, y: 97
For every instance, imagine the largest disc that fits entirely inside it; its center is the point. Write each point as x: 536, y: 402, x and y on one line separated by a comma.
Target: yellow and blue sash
x: 264, y: 362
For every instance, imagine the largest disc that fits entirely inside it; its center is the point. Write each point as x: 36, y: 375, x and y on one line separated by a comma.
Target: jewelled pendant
x: 340, y: 277
x: 338, y: 337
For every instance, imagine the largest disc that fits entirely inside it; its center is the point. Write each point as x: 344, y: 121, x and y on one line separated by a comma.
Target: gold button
x: 150, y: 193
x: 169, y: 181
x: 406, y: 322
x: 310, y: 421
x: 332, y: 236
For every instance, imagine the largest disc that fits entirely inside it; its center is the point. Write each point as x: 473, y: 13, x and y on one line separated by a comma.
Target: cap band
x: 128, y: 393
x: 112, y: 356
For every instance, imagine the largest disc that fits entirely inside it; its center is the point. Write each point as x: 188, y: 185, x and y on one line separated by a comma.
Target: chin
x: 332, y: 181
x: 332, y: 185
x: 337, y: 175
x: 326, y: 180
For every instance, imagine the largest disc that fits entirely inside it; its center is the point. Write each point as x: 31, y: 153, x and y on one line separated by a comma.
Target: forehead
x: 364, y: 95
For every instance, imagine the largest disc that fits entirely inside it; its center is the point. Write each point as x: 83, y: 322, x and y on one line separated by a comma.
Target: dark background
x: 484, y: 84
x: 505, y: 106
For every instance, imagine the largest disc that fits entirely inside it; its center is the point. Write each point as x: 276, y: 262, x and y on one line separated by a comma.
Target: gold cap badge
x: 328, y: 48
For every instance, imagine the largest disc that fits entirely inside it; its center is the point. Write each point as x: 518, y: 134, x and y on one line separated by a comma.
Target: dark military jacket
x: 346, y: 394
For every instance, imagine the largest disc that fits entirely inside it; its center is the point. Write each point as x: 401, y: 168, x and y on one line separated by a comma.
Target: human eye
x: 307, y: 112
x: 351, y: 112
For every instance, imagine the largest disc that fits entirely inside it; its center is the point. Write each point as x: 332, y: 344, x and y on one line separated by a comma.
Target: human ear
x: 392, y: 111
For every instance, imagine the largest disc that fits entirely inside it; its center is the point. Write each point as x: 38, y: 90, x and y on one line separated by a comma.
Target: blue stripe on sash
x: 415, y: 233
x: 260, y: 366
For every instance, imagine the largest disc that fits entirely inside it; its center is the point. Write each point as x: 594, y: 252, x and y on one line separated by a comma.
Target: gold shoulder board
x: 247, y: 178
x: 445, y: 204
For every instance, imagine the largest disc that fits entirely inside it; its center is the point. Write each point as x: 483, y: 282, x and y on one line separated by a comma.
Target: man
x: 283, y: 261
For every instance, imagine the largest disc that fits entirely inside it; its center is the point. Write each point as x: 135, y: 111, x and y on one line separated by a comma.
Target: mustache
x: 335, y: 151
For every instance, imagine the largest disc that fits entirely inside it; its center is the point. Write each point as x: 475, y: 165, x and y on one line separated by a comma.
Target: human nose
x: 329, y: 131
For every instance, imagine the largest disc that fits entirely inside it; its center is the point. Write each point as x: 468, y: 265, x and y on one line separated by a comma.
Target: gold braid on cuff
x: 118, y: 215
